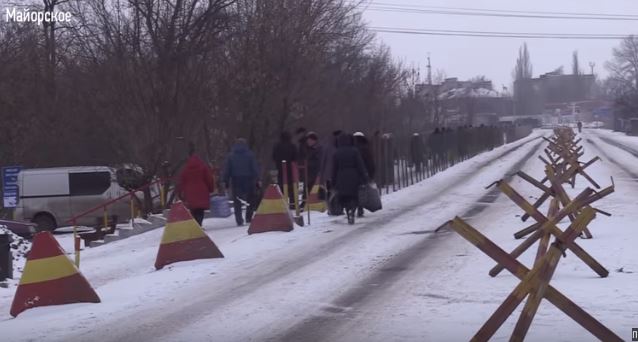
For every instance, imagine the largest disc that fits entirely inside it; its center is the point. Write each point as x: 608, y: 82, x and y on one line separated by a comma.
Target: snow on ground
x: 386, y: 278
x: 449, y: 295
x: 620, y: 137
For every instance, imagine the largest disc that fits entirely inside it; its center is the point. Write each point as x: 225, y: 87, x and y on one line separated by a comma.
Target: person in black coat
x: 348, y: 173
x: 313, y: 158
x: 361, y: 143
x: 286, y: 151
x: 242, y: 174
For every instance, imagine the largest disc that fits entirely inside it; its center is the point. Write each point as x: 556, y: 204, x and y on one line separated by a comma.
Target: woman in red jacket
x: 195, y: 185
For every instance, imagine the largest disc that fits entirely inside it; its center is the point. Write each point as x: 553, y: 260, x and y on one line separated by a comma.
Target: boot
x: 360, y: 212
x: 350, y: 213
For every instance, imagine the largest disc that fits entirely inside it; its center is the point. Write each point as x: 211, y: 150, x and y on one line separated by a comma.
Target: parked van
x: 50, y: 197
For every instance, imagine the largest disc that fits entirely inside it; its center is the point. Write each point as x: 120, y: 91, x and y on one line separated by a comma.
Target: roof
x: 71, y: 169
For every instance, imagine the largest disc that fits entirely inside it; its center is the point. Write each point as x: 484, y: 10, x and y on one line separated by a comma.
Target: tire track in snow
x: 185, y: 314
x: 320, y: 327
x: 606, y: 156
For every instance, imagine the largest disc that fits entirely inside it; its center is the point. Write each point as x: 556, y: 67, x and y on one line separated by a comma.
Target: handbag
x: 334, y: 206
x: 219, y: 206
x: 369, y: 197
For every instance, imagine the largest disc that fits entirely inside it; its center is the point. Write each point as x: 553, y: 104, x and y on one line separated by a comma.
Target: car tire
x: 44, y: 223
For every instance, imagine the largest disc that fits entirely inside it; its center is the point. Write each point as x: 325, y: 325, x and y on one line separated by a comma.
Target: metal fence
x: 403, y: 161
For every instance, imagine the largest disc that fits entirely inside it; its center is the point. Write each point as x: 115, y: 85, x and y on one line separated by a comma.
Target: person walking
x: 314, y: 158
x: 329, y: 149
x: 195, y: 185
x: 286, y: 151
x: 362, y: 145
x: 580, y: 127
x: 301, y: 134
x: 417, y: 152
x: 348, y: 173
x: 241, y: 176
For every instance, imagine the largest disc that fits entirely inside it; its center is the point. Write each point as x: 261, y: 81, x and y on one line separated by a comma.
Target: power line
x: 504, y: 11
x: 489, y: 34
x: 496, y: 13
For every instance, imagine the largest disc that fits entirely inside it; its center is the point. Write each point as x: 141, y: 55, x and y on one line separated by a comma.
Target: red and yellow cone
x: 50, y: 278
x: 272, y: 214
x: 313, y: 202
x: 184, y: 239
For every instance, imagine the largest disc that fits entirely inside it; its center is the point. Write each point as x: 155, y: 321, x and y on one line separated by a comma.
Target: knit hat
x: 359, y: 134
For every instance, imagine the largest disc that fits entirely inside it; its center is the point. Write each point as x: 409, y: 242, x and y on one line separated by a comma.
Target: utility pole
x: 429, y: 71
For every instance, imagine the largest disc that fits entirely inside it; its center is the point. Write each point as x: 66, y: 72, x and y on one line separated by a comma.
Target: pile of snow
x: 19, y: 249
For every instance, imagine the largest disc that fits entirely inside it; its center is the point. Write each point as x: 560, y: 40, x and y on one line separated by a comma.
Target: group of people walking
x: 340, y: 164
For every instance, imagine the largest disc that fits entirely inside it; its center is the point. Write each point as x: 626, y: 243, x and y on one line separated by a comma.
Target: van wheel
x: 44, y: 223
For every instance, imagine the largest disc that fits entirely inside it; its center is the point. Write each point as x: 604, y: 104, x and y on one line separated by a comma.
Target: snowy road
x: 388, y: 278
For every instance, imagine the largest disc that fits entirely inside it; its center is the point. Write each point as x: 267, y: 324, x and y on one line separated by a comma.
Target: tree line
x: 133, y: 81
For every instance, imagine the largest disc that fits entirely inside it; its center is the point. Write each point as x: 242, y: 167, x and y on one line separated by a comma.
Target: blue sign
x: 10, y: 186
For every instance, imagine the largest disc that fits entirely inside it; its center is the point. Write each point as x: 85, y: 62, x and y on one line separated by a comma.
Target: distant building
x: 563, y: 96
x: 462, y: 103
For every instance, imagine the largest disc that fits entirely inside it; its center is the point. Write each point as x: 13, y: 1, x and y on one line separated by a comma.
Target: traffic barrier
x: 184, y: 239
x: 562, y: 165
x: 50, y: 278
x: 272, y: 214
x: 535, y: 283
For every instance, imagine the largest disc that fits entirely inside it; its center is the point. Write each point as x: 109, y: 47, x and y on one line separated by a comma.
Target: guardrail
x: 131, y: 195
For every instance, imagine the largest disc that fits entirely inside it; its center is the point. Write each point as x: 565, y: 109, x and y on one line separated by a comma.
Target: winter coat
x: 284, y: 150
x: 348, y: 170
x: 328, y: 152
x: 302, y: 148
x: 241, y: 170
x: 361, y: 143
x: 417, y: 150
x: 195, y: 184
x: 314, y: 158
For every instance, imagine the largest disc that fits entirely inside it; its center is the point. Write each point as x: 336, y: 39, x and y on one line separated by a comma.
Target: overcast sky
x: 465, y: 57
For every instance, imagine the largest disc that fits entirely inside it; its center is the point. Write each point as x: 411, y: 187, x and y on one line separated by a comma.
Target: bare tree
x: 623, y: 78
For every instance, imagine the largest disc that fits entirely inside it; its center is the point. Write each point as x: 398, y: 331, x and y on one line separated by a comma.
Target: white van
x: 50, y: 197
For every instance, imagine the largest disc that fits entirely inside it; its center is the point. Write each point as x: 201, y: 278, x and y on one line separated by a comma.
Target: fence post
x: 162, y: 195
x: 76, y: 244
x: 132, y: 209
x: 284, y: 179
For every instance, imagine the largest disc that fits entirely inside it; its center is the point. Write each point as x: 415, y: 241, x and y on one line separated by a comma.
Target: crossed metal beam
x: 544, y: 224
x: 534, y: 283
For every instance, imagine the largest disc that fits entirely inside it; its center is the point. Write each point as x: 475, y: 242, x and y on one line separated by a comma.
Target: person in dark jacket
x: 348, y: 173
x: 286, y: 151
x: 362, y: 145
x: 242, y: 174
x: 195, y: 185
x: 329, y: 149
x: 302, y: 152
x: 313, y: 158
x: 417, y: 151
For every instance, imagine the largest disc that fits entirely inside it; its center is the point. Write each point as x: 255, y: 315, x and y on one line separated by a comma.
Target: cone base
x: 270, y: 223
x: 186, y: 250
x: 67, y: 290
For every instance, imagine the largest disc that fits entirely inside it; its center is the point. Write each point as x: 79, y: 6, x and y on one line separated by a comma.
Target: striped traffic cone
x: 272, y: 214
x: 50, y: 278
x: 184, y: 239
x: 313, y: 202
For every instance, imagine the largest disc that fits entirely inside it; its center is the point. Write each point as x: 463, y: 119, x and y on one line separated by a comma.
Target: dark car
x: 24, y: 229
